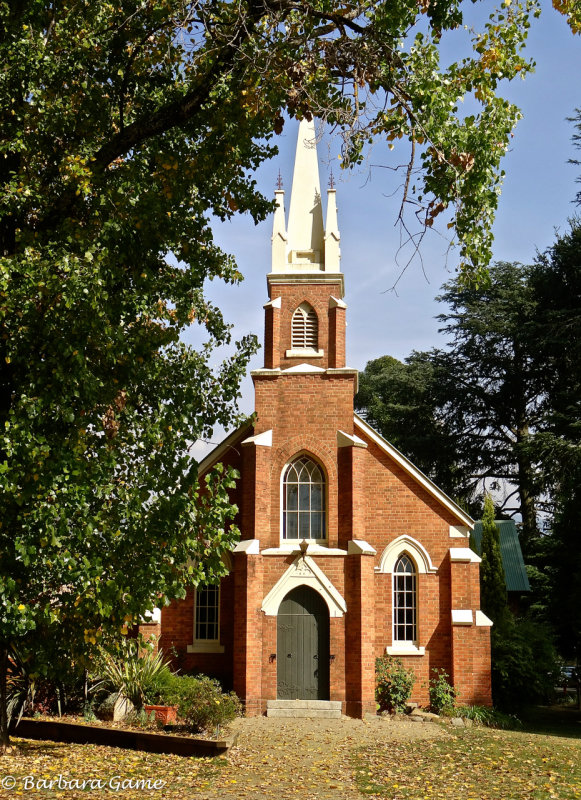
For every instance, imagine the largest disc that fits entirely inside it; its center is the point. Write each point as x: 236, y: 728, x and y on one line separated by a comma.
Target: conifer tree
x: 493, y: 598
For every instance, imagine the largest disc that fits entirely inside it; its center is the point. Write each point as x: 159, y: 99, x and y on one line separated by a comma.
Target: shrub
x: 200, y: 700
x: 393, y: 683
x: 442, y: 694
x: 525, y: 666
x: 489, y: 717
x: 132, y: 671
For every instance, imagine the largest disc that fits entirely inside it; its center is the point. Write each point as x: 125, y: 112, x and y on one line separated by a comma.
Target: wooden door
x: 303, y: 646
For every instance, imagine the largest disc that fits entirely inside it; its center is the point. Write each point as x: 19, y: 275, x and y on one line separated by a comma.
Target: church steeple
x: 305, y: 314
x: 301, y: 248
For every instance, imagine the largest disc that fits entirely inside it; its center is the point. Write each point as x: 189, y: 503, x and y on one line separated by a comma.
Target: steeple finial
x: 279, y: 183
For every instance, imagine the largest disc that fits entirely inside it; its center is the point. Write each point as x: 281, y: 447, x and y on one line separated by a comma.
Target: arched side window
x: 304, y: 500
x: 404, y: 601
x: 305, y: 328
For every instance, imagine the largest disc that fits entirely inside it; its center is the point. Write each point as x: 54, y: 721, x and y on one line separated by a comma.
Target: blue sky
x: 536, y: 199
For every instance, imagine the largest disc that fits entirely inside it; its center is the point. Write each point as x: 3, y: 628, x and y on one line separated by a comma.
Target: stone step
x: 302, y: 709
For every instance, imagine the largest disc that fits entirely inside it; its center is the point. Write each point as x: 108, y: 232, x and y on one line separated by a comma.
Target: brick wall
x: 278, y: 324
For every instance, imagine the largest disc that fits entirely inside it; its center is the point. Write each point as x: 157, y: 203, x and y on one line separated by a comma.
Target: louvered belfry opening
x: 305, y: 328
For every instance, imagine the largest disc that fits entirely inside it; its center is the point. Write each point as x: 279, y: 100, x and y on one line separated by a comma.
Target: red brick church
x: 348, y: 552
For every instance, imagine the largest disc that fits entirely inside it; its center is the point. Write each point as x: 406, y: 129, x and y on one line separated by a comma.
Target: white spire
x: 301, y: 247
x: 332, y: 235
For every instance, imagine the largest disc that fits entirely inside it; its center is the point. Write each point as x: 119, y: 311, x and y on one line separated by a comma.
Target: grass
x: 44, y: 762
x: 475, y: 764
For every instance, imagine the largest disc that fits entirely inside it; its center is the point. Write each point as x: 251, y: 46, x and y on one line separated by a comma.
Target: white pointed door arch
x: 304, y: 572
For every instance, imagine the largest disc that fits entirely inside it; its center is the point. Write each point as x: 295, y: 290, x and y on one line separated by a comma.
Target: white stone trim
x: 261, y: 439
x: 314, y: 549
x: 277, y: 302
x: 465, y: 555
x: 317, y: 278
x: 200, y: 646
x: 334, y: 302
x: 461, y: 616
x: 304, y: 352
x: 304, y: 572
x: 405, y: 650
x: 405, y: 544
x: 265, y: 371
x: 346, y: 440
x: 249, y: 546
x: 303, y: 368
x: 359, y: 547
x: 459, y: 532
x: 414, y: 472
x: 482, y: 621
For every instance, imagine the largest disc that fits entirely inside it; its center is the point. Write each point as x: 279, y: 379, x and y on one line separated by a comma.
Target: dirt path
x: 307, y: 759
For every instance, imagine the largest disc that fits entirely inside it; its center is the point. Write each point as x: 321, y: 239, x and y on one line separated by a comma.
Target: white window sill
x: 304, y: 352
x: 205, y: 647
x: 295, y: 544
x: 404, y: 649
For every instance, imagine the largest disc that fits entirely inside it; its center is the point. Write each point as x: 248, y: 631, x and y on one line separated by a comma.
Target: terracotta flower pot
x: 163, y: 714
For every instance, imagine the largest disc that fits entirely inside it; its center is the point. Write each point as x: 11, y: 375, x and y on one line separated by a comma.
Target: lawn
x: 477, y: 764
x: 53, y: 770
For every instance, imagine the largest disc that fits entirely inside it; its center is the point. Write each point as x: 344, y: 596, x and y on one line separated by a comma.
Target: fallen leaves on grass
x: 44, y: 762
x: 475, y: 765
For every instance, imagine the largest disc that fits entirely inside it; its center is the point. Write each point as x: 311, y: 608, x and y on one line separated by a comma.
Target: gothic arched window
x: 404, y: 600
x: 305, y: 328
x: 304, y: 500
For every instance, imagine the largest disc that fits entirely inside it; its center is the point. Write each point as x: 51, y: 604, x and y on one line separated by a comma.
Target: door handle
x: 289, y: 655
x: 316, y: 657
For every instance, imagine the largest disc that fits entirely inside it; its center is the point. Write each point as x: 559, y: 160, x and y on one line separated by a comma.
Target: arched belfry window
x: 305, y: 328
x: 304, y: 500
x: 404, y: 600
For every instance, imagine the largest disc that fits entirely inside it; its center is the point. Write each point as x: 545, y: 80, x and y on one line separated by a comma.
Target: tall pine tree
x: 493, y: 597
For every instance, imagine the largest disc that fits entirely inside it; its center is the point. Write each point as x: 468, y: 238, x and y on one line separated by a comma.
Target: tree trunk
x: 4, y: 738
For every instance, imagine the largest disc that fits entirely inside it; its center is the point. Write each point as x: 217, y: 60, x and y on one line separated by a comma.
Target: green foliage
x: 525, y: 665
x: 393, y: 683
x: 132, y: 670
x: 493, y: 597
x: 401, y: 399
x: 201, y: 703
x: 488, y: 717
x: 442, y: 693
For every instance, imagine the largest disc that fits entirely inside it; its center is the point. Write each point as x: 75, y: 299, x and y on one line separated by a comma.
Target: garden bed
x: 130, y: 739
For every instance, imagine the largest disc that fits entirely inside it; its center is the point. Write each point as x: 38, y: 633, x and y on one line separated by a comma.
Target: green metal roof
x: 512, y: 560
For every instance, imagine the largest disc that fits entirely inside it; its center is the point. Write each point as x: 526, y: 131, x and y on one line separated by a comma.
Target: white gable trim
x: 260, y: 439
x: 304, y: 572
x: 414, y: 472
x: 405, y: 544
